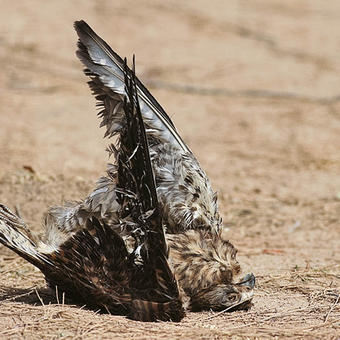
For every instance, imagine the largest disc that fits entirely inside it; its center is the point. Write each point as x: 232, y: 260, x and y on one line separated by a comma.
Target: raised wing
x: 137, y: 195
x: 184, y: 191
x: 106, y: 69
x: 92, y: 265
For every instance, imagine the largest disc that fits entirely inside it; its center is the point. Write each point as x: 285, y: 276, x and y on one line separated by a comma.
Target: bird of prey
x: 147, y: 241
x: 183, y: 188
x: 93, y: 265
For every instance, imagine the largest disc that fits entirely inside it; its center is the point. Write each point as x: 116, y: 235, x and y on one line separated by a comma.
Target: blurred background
x: 211, y: 65
x: 252, y: 86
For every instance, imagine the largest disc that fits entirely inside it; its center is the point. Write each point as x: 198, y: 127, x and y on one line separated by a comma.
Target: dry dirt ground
x: 254, y: 89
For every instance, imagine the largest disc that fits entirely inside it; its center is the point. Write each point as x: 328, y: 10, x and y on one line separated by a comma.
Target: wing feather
x: 184, y: 190
x: 106, y: 70
x: 135, y: 174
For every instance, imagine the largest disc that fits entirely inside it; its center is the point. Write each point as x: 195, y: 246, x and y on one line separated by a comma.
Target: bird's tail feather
x: 15, y: 236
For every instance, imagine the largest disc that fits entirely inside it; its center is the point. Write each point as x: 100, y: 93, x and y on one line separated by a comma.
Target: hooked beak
x: 248, y: 284
x: 248, y: 281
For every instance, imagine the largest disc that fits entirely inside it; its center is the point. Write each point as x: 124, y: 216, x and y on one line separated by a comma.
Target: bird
x: 93, y: 264
x: 183, y: 188
x: 122, y: 249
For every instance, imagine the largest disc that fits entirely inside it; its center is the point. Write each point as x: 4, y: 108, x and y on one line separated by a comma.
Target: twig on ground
x: 40, y: 299
x: 331, y: 308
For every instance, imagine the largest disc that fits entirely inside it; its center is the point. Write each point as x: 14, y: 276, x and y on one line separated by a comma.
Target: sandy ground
x: 253, y: 87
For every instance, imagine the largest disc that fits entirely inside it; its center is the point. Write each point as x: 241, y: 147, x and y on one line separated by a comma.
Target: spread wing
x: 106, y: 69
x: 184, y: 191
x: 93, y: 265
x: 137, y: 195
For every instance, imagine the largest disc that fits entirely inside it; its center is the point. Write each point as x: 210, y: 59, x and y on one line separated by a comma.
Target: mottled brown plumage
x: 110, y: 250
x: 208, y: 274
x: 93, y: 265
x: 186, y: 197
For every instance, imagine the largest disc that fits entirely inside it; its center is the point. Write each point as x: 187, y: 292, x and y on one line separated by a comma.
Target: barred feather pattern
x: 63, y: 221
x: 106, y: 69
x: 93, y: 267
x: 92, y: 264
x: 185, y: 192
x: 112, y: 244
x: 16, y: 236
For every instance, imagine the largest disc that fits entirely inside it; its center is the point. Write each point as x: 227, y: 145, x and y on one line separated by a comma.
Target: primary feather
x: 184, y: 190
x: 92, y: 264
x: 106, y: 69
x: 110, y: 250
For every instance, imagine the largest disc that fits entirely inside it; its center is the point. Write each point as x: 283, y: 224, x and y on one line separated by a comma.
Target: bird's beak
x: 248, y: 280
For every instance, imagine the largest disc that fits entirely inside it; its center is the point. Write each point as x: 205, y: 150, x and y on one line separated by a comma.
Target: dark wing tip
x: 87, y: 35
x: 135, y: 143
x: 81, y: 25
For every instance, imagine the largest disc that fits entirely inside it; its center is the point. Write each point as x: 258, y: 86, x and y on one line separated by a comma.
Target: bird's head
x: 207, y: 270
x: 225, y: 296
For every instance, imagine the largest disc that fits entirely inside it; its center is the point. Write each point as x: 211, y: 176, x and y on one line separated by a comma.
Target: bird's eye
x: 232, y: 297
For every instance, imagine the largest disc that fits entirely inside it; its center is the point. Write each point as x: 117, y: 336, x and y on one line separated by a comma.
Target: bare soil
x: 253, y: 87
